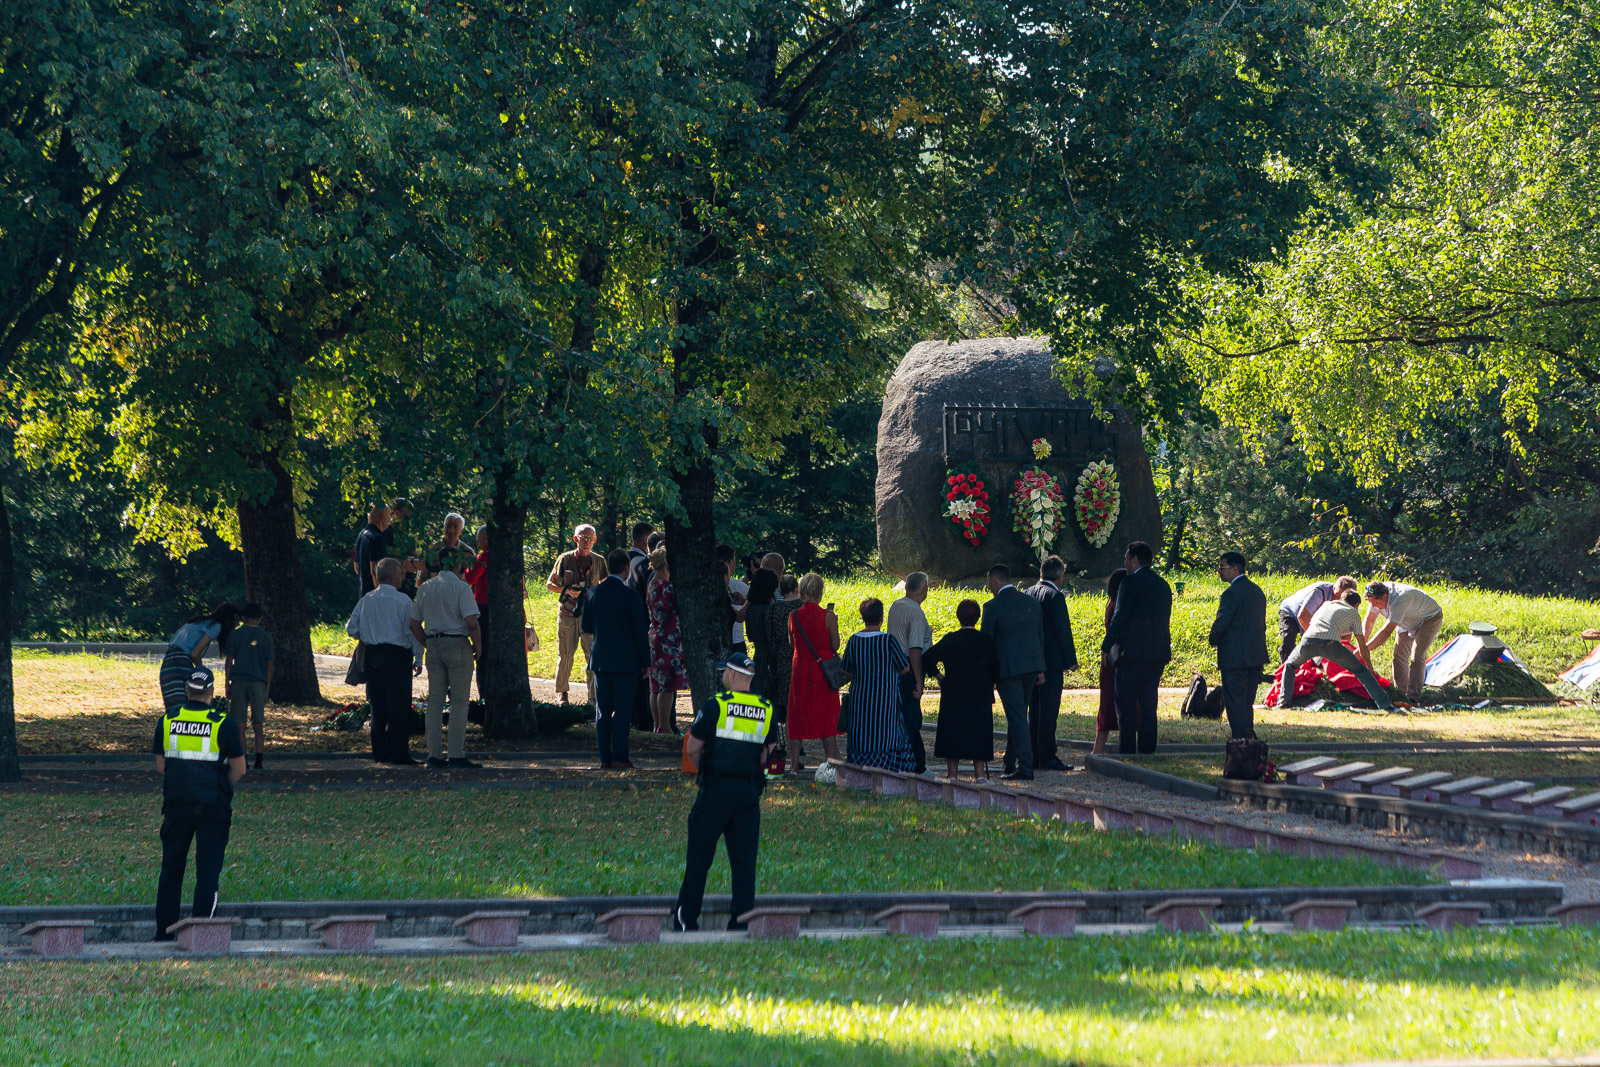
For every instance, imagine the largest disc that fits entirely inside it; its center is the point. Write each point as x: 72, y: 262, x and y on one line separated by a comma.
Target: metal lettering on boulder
x: 980, y: 405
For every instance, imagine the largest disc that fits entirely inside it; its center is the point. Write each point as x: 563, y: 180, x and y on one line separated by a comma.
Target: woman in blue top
x: 874, y: 661
x: 188, y: 647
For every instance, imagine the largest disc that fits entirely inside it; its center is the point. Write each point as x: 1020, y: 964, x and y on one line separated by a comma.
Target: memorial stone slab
x: 981, y: 404
x: 913, y: 920
x: 633, y: 926
x: 1381, y: 783
x: 207, y: 936
x: 1449, y: 914
x: 1577, y: 912
x: 1542, y: 803
x: 1498, y: 797
x: 57, y: 937
x: 491, y: 929
x: 774, y: 923
x: 1049, y: 918
x: 349, y: 933
x: 1320, y: 914
x: 1185, y: 915
x: 1422, y: 786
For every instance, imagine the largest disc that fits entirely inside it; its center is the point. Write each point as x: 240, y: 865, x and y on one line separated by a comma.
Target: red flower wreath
x: 967, y: 504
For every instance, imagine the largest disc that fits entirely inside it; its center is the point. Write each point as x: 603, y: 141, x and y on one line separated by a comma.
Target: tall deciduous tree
x: 1471, y: 284
x: 89, y: 90
x: 808, y: 163
x: 288, y: 219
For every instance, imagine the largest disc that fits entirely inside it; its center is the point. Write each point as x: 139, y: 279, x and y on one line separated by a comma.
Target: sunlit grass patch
x: 1357, y: 995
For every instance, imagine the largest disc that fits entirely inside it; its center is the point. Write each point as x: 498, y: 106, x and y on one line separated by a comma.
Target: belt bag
x: 832, y: 669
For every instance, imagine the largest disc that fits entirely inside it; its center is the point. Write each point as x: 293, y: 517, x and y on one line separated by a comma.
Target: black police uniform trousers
x: 207, y: 825
x: 388, y: 670
x: 1137, y: 682
x: 729, y: 808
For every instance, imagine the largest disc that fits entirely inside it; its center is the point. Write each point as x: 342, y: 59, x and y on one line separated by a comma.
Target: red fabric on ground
x: 1310, y: 673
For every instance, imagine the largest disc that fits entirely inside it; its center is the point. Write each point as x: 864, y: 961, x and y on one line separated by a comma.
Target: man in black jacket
x: 1060, y: 656
x: 619, y: 658
x: 1239, y: 635
x: 1138, y: 643
x: 1013, y: 620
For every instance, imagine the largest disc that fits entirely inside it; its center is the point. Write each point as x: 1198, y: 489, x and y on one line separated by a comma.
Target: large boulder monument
x: 985, y: 457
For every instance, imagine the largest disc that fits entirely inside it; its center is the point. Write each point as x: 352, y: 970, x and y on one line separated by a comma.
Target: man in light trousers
x: 444, y: 617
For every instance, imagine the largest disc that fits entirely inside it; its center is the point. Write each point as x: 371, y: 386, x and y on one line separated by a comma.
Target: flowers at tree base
x: 1036, y: 505
x: 967, y: 504
x: 1097, y: 501
x: 1041, y: 449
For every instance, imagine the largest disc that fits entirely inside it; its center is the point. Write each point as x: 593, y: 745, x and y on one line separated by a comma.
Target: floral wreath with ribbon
x: 1036, y: 503
x: 967, y: 503
x: 1097, y: 501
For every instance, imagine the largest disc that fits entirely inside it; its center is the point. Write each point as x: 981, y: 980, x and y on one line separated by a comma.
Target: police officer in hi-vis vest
x: 728, y: 743
x: 200, y: 755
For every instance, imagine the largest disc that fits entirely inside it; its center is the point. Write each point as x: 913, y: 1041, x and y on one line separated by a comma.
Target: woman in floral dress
x: 666, y: 647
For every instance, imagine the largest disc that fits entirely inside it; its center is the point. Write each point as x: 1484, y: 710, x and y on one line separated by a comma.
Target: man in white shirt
x: 381, y: 621
x: 444, y: 617
x: 908, y: 624
x: 1414, y: 618
x: 1294, y: 614
x: 1324, y: 638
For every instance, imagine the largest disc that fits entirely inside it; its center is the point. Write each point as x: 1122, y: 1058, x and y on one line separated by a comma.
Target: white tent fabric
x: 1447, y: 664
x: 1586, y: 673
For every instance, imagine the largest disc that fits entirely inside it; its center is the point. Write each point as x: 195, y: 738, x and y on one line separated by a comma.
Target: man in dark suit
x: 1015, y: 622
x: 1060, y: 656
x: 1239, y: 635
x: 619, y: 658
x: 1138, y: 644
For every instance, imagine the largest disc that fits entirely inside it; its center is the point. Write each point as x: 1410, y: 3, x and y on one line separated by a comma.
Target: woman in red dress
x: 1106, y: 721
x: 813, y: 704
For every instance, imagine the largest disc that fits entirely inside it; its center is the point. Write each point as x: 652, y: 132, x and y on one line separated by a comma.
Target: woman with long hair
x: 667, y: 674
x: 187, y: 648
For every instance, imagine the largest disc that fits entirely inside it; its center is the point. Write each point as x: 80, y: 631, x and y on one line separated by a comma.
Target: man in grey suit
x: 1015, y: 622
x: 1060, y: 656
x: 1239, y: 635
x: 1138, y: 644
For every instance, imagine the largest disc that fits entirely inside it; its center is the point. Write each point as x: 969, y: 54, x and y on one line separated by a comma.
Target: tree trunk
x: 274, y: 579
x: 10, y: 766
x: 508, y: 700
x: 697, y: 578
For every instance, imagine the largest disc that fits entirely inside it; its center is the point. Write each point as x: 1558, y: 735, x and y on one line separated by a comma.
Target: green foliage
x: 1468, y: 284
x: 816, y: 498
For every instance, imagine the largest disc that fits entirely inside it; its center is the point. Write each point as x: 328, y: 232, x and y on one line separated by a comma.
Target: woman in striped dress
x: 188, y: 647
x: 875, y: 662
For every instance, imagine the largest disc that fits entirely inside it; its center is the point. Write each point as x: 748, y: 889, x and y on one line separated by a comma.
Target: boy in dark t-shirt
x: 248, y: 673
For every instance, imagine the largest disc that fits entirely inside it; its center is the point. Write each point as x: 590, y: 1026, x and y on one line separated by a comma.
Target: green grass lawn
x: 1139, y: 1000
x: 1542, y: 630
x: 81, y: 849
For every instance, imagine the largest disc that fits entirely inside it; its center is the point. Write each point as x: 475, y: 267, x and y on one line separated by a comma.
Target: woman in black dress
x: 966, y: 693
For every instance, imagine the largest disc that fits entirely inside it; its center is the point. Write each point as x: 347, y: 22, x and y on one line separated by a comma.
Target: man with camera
x: 575, y: 573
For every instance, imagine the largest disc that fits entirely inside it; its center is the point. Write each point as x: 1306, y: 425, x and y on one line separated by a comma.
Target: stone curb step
x: 1473, y: 791
x: 1180, y: 915
x: 1112, y: 817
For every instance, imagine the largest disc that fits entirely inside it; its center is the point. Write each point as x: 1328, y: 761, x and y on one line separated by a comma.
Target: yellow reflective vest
x: 192, y: 733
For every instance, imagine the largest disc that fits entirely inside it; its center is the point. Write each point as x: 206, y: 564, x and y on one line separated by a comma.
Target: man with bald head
x: 574, y: 574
